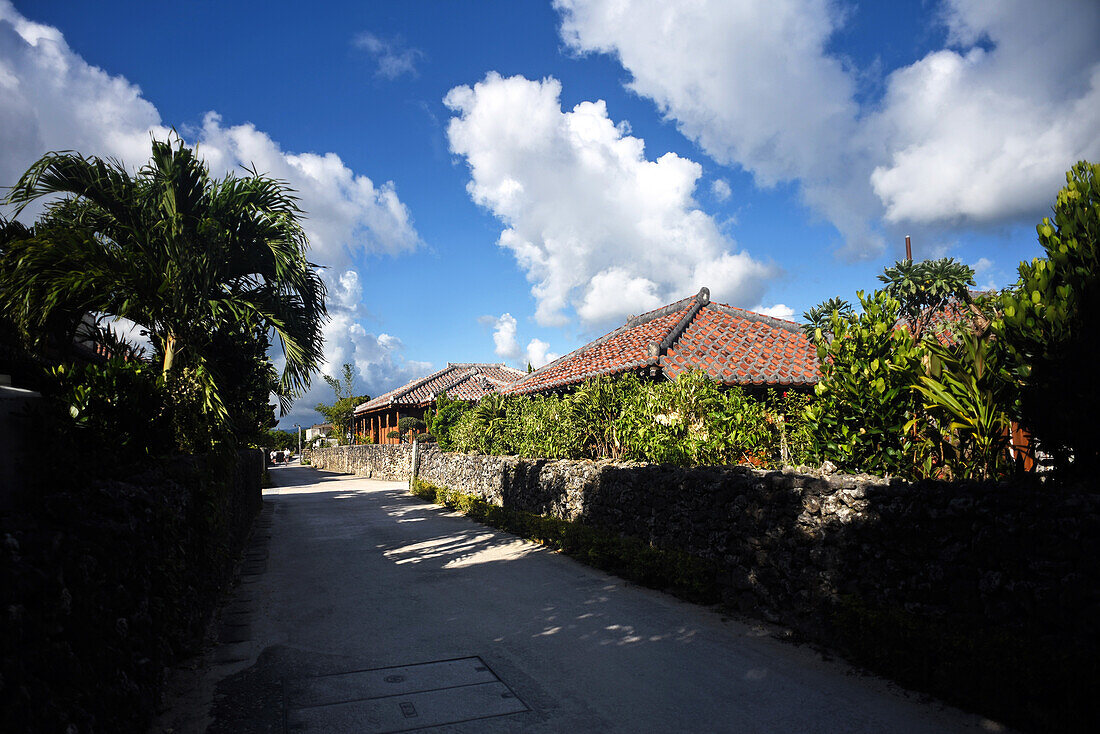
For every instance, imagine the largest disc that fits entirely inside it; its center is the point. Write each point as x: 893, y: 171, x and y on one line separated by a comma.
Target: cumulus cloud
x: 393, y: 56
x: 505, y: 328
x: 539, y: 354
x: 504, y: 335
x: 598, y: 227
x: 346, y: 214
x: 977, y: 133
x: 720, y: 189
x: 54, y: 100
x: 985, y: 136
x: 779, y: 311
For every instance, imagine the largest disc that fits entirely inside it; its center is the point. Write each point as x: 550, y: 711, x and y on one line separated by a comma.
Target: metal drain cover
x: 401, y: 698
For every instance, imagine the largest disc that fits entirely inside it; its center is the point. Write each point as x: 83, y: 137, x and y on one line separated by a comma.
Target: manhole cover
x: 400, y: 698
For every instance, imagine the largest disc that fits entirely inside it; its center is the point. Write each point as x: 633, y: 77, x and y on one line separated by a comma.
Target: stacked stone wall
x: 789, y: 541
x: 105, y: 582
x: 987, y: 595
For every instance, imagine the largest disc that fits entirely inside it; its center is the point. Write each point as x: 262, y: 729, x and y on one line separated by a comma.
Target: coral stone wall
x: 787, y: 542
x: 986, y: 595
x: 106, y: 582
x: 377, y: 461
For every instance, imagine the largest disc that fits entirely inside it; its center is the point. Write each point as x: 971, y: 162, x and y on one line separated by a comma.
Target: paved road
x: 363, y: 609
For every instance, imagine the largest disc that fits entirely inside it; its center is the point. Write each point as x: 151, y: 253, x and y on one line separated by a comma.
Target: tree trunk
x: 169, y: 352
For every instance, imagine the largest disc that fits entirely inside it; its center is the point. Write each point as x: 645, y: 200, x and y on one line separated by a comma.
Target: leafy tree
x: 280, y: 440
x: 490, y: 417
x: 172, y: 249
x: 442, y: 421
x: 866, y: 396
x: 410, y: 426
x: 407, y: 428
x: 246, y: 380
x: 922, y: 289
x: 820, y: 316
x: 341, y: 414
x: 1049, y: 323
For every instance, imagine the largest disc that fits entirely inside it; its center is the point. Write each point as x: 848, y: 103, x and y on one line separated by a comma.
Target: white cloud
x: 750, y: 82
x: 54, y: 100
x: 504, y: 336
x: 720, y: 189
x: 963, y: 135
x: 596, y: 226
x: 538, y: 353
x: 346, y: 214
x: 985, y: 136
x: 505, y: 327
x: 393, y: 56
x: 779, y: 311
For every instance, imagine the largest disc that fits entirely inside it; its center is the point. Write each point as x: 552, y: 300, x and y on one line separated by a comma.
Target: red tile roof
x: 731, y: 345
x: 459, y: 381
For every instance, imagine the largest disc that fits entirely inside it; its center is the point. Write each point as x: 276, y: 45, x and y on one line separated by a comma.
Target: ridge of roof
x: 759, y: 317
x: 469, y: 369
x: 702, y: 298
x: 632, y: 323
x: 479, y: 364
x: 460, y: 377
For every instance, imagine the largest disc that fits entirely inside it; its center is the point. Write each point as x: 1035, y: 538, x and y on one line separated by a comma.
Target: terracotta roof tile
x: 730, y: 344
x: 624, y: 349
x: 753, y: 349
x: 460, y: 381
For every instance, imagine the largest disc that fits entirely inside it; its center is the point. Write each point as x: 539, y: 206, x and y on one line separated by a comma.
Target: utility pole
x: 299, y: 442
x: 908, y: 249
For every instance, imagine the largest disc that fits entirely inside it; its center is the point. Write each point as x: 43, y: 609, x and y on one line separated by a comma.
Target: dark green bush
x: 1049, y: 322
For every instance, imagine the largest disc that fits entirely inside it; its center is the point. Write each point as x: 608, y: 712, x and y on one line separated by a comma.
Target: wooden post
x: 415, y: 466
x: 784, y: 453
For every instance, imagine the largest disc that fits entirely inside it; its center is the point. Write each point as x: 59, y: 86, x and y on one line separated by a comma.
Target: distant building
x: 467, y: 381
x: 731, y: 345
x: 318, y: 430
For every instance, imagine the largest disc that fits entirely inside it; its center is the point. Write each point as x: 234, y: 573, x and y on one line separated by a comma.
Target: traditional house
x: 459, y: 381
x: 731, y: 345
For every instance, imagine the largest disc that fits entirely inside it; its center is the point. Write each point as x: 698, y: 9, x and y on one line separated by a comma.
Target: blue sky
x: 502, y: 181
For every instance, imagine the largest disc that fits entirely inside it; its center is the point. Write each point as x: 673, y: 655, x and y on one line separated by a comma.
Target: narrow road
x: 364, y: 609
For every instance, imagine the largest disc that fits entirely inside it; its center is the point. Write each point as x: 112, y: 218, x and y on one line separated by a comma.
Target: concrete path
x: 364, y: 609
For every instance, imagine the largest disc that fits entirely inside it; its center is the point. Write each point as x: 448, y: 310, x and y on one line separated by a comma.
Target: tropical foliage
x: 209, y: 269
x: 924, y: 289
x: 408, y: 429
x: 821, y: 315
x: 1049, y: 325
x: 866, y: 395
x: 443, y: 419
x: 689, y: 421
x: 341, y: 414
x: 967, y: 393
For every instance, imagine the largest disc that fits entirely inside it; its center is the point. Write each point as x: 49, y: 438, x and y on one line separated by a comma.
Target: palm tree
x: 170, y: 248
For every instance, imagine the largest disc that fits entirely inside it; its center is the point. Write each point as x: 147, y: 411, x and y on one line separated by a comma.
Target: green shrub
x: 117, y: 407
x: 692, y: 420
x: 967, y: 393
x: 442, y: 421
x: 1049, y: 323
x: 866, y: 395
